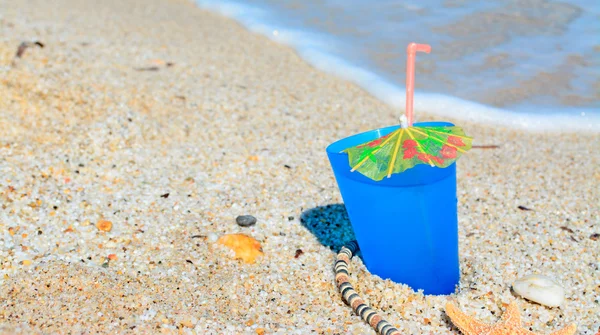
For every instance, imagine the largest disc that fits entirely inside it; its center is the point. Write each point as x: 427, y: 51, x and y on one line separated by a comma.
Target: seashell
x: 541, y: 289
x: 212, y: 237
x: 244, y: 246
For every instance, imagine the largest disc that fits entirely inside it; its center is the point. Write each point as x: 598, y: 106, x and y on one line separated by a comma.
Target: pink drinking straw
x: 411, y: 50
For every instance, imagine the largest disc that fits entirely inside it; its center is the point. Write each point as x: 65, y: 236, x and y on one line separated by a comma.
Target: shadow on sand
x: 330, y: 224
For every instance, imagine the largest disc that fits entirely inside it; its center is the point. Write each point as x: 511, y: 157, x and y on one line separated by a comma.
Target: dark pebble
x: 245, y: 220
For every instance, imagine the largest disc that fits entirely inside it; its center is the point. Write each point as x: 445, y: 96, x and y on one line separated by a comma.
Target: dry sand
x: 98, y: 124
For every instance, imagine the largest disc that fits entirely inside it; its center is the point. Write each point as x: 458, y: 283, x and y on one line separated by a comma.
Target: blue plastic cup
x: 406, y: 225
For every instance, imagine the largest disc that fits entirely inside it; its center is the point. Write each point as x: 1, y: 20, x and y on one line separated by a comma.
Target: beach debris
x: 24, y: 45
x: 245, y: 247
x: 156, y: 65
x: 510, y: 323
x: 287, y: 166
x: 104, y: 225
x: 595, y: 237
x: 245, y: 220
x: 541, y: 289
x: 565, y: 228
x: 523, y: 208
x: 492, y: 146
x: 299, y: 253
x: 166, y: 195
x: 147, y: 68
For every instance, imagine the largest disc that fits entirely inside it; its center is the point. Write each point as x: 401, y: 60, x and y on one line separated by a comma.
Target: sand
x: 170, y: 121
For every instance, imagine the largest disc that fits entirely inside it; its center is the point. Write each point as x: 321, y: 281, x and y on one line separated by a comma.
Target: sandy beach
x: 170, y: 121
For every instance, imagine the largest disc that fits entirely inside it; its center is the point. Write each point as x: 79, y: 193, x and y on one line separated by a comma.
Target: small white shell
x: 212, y: 237
x: 541, y: 289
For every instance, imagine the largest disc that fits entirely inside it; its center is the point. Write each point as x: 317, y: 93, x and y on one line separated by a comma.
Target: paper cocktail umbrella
x: 408, y: 146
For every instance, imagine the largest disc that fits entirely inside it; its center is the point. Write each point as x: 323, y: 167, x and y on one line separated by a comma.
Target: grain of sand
x: 130, y: 100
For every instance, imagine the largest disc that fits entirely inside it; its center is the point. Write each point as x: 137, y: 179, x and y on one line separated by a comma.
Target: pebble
x: 541, y: 289
x: 245, y: 220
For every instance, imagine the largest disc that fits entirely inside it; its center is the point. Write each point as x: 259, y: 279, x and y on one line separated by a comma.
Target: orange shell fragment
x: 104, y: 225
x: 245, y: 247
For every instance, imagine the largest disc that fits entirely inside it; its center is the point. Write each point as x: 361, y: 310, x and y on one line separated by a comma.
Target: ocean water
x: 530, y: 64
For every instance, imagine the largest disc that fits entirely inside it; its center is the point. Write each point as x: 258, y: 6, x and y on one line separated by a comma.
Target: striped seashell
x: 342, y: 278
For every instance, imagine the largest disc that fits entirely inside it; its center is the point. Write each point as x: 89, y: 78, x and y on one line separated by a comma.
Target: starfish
x: 510, y: 324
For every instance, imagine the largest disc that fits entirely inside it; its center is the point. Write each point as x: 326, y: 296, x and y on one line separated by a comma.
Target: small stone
x: 541, y: 289
x: 260, y: 331
x: 112, y: 257
x: 26, y: 262
x: 212, y: 237
x: 245, y: 220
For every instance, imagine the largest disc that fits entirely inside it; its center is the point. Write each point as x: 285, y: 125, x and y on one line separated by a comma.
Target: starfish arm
x: 466, y: 324
x: 512, y: 314
x: 568, y: 330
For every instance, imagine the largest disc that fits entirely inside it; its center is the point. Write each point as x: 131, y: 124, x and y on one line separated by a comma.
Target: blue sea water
x: 532, y: 64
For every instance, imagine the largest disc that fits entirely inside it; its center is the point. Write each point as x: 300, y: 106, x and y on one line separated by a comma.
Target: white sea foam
x: 321, y: 50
